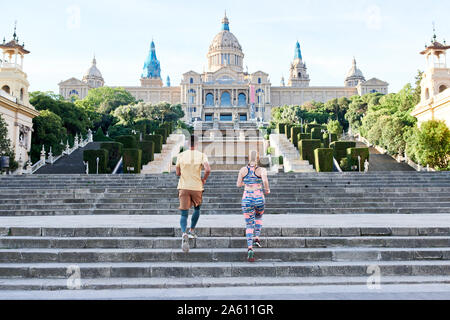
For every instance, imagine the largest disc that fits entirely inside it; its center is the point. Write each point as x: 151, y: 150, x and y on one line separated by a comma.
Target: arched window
x: 191, y: 80
x: 427, y: 94
x: 6, y: 89
x: 242, y: 99
x: 225, y: 99
x: 209, y: 100
x: 73, y: 92
x: 21, y: 94
x: 442, y: 88
x: 191, y: 94
x: 259, y: 80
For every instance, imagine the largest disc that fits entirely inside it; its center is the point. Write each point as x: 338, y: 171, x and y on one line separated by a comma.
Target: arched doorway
x: 225, y: 99
x: 6, y: 89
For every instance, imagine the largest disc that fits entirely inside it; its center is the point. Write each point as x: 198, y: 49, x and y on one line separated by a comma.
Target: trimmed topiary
x: 132, y: 160
x: 288, y: 130
x: 163, y: 133
x: 129, y: 142
x: 310, y: 126
x: 148, y: 149
x: 340, y: 149
x: 352, y: 157
x: 114, y: 153
x: 326, y: 139
x: 316, y: 133
x: 157, y: 140
x: 91, y: 157
x: 323, y: 159
x: 304, y: 136
x: 100, y: 136
x: 281, y: 128
x: 295, y: 131
x: 306, y: 149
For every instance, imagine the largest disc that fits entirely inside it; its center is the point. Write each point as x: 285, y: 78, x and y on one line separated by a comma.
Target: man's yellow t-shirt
x: 190, y: 163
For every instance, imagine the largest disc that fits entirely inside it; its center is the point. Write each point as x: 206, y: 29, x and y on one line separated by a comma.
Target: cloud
x: 74, y: 17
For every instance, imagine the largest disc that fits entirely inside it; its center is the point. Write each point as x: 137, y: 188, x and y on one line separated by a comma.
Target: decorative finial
x: 15, y: 27
x: 434, y: 33
x: 4, y: 40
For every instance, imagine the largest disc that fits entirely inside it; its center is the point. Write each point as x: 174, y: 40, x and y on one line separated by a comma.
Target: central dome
x: 225, y: 50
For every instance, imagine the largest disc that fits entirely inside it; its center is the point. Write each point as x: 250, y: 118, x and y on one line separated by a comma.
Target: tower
x: 436, y: 78
x: 298, y: 75
x: 168, y: 81
x: 354, y: 76
x: 151, y: 75
x: 13, y: 80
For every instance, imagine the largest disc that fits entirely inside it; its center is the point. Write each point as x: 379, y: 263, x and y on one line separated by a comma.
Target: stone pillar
x: 90, y: 138
x: 43, y: 154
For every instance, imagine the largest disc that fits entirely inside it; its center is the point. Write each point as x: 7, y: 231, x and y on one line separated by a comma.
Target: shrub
x: 352, y: 157
x: 288, y: 131
x: 266, y: 136
x: 334, y: 127
x: 270, y: 150
x: 310, y: 126
x: 119, y: 130
x: 100, y: 136
x: 304, y: 136
x: 148, y: 150
x: 295, y: 131
x: 281, y: 128
x: 326, y: 139
x: 91, y: 157
x: 316, y: 133
x: 340, y: 149
x: 129, y: 142
x: 306, y: 149
x: 157, y: 140
x: 163, y: 133
x: 280, y: 160
x: 323, y: 158
x: 132, y: 159
x: 114, y: 153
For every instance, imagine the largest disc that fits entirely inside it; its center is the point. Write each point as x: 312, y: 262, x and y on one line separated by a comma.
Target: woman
x: 253, y: 178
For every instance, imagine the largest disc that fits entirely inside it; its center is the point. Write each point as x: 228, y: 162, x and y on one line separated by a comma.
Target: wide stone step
x: 221, y: 255
x: 206, y: 211
x: 45, y: 242
x: 224, y: 269
x: 218, y: 205
x: 207, y: 282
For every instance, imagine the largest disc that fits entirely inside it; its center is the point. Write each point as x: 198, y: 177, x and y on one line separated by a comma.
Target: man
x: 190, y: 187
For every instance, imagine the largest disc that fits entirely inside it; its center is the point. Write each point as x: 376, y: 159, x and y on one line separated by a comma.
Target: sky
x: 385, y: 37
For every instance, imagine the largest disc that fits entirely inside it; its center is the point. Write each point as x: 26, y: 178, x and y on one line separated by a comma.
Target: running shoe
x: 192, y: 235
x: 257, y: 242
x: 250, y: 255
x: 185, y: 242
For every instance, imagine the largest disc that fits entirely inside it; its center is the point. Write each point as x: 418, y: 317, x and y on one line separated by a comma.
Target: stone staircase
x: 117, y: 258
x: 46, y: 234
x: 163, y: 161
x: 292, y: 193
x: 291, y: 156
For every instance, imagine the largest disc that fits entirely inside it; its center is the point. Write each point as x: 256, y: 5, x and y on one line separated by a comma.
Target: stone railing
x: 30, y: 168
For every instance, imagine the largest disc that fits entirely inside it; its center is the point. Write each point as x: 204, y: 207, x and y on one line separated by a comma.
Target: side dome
x: 93, y: 70
x: 354, y: 76
x: 93, y: 77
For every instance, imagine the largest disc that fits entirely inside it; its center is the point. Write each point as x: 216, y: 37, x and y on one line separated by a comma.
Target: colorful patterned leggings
x: 253, y: 209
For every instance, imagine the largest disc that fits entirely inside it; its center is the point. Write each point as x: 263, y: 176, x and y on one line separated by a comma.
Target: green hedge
x: 163, y: 133
x: 295, y: 131
x: 91, y: 157
x: 304, y: 136
x: 326, y: 139
x: 281, y: 128
x: 148, y: 150
x: 340, y: 149
x: 100, y: 136
x: 114, y: 153
x: 316, y: 133
x: 310, y: 126
x: 157, y: 140
x: 288, y: 130
x: 306, y: 149
x: 129, y: 142
x: 132, y: 158
x: 352, y: 156
x: 323, y: 159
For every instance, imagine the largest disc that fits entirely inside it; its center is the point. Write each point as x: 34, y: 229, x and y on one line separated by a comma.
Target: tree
x: 49, y: 131
x: 74, y: 119
x: 106, y: 99
x: 5, y: 145
x: 334, y: 127
x: 418, y: 88
x: 432, y: 144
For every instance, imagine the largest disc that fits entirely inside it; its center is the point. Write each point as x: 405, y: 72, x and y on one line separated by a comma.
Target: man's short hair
x: 194, y: 140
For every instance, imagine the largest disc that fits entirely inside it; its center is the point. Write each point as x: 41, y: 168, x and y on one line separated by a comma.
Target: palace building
x: 15, y: 107
x: 225, y: 91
